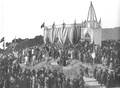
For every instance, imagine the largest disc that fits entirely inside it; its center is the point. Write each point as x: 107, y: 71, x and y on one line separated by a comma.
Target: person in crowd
x: 100, y: 73
x: 94, y: 72
x: 1, y: 82
x: 108, y: 82
x: 103, y: 78
x: 81, y: 73
x: 86, y: 71
x: 67, y: 83
x: 75, y: 83
x: 114, y: 79
x: 81, y: 82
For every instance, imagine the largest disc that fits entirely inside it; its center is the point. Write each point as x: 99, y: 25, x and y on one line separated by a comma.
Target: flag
x: 15, y: 39
x: 43, y: 25
x: 2, y: 39
x: 53, y: 26
x: 63, y: 25
x: 4, y: 44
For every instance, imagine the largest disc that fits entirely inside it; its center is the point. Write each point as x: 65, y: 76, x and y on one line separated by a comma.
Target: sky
x: 23, y: 18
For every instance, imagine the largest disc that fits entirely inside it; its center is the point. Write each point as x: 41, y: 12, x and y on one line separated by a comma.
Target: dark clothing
x: 81, y: 83
x: 33, y: 72
x: 86, y: 71
x: 94, y: 73
x: 99, y: 78
x: 18, y: 68
x: 1, y: 83
x: 42, y: 81
x: 55, y: 83
x: 114, y: 80
x: 67, y: 85
x: 108, y: 83
x: 97, y: 75
x: 14, y: 69
x: 103, y: 78
x: 7, y: 83
x: 20, y: 82
x: 75, y: 83
x: 49, y: 83
x: 28, y: 82
x: 30, y: 55
x: 81, y: 74
x: 24, y: 82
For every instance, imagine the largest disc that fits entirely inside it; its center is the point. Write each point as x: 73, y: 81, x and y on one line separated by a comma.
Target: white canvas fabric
x: 51, y: 35
x: 64, y: 35
x: 46, y: 35
x: 74, y: 35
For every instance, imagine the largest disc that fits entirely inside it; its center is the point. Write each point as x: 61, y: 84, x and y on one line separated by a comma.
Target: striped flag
x: 2, y: 39
x: 4, y: 44
x: 43, y: 25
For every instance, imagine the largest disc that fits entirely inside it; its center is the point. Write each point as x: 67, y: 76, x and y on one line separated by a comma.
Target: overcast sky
x: 22, y: 18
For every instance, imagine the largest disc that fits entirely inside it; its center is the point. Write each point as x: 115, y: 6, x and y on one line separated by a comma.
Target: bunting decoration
x: 63, y: 34
x: 46, y: 35
x: 75, y: 34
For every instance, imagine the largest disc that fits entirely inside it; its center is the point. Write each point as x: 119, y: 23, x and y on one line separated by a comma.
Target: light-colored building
x: 90, y: 30
x: 99, y: 34
x: 92, y: 27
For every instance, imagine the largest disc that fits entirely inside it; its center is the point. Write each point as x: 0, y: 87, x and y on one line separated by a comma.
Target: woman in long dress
x: 33, y: 81
x: 26, y: 60
x: 108, y: 83
x: 33, y: 60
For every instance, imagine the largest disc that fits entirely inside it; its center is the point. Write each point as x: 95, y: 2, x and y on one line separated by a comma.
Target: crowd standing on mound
x: 13, y: 76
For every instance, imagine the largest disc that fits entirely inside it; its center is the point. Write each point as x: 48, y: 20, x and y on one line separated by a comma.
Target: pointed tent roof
x: 91, y: 14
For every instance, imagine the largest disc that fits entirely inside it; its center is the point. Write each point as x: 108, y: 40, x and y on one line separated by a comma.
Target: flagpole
x: 15, y: 39
x: 4, y: 45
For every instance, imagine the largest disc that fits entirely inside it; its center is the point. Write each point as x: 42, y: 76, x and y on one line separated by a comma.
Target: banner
x: 75, y: 35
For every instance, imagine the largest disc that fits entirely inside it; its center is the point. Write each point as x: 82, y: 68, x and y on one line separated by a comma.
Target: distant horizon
x: 1, y: 47
x: 50, y: 25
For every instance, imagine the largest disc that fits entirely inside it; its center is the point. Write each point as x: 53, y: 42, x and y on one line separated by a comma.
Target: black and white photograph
x: 59, y: 43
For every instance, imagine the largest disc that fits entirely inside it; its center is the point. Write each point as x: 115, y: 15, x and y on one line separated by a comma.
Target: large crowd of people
x: 106, y: 77
x: 13, y: 76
